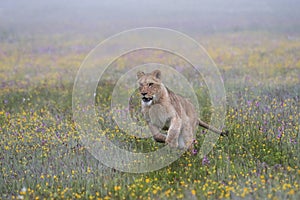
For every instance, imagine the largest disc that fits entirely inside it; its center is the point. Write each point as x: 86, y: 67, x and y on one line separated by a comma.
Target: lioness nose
x: 143, y: 93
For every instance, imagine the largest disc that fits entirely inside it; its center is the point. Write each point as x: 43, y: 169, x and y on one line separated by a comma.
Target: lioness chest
x: 158, y: 115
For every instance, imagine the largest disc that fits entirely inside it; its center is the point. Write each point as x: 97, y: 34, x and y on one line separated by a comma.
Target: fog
x: 109, y: 17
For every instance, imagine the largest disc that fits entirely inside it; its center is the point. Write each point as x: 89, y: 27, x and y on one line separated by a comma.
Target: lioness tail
x: 213, y: 129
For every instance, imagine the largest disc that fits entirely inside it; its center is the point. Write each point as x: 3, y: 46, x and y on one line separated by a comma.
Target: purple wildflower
x: 194, y: 152
x: 279, y: 136
x: 280, y: 132
x: 293, y: 141
x: 249, y: 103
x: 205, y: 161
x: 57, y: 134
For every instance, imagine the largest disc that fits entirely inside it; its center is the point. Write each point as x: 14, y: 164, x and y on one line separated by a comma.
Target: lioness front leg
x: 173, y: 132
x: 157, y: 136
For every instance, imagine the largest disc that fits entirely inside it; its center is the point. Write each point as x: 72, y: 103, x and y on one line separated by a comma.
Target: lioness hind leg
x: 181, y: 142
x: 186, y: 138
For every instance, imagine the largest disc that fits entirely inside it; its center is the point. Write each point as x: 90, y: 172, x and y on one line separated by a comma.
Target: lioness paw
x: 159, y: 138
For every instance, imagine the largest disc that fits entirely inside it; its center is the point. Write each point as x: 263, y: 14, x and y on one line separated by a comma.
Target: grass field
x: 41, y: 155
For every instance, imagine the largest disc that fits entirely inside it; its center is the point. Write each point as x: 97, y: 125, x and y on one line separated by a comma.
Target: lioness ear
x: 139, y: 74
x: 156, y: 73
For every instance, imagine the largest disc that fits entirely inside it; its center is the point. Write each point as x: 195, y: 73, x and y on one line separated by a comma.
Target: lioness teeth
x: 145, y: 99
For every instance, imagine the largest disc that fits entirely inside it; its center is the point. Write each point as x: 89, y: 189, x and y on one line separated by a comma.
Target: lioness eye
x: 150, y: 84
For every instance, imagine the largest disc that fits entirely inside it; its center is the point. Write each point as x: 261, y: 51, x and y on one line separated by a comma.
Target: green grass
x: 41, y: 155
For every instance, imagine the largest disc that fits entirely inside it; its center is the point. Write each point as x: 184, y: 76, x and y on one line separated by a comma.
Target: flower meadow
x: 42, y: 157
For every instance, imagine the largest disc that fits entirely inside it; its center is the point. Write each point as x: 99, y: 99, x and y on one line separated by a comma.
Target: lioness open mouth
x: 146, y: 100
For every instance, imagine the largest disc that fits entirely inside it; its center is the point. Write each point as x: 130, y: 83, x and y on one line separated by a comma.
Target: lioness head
x: 149, y: 86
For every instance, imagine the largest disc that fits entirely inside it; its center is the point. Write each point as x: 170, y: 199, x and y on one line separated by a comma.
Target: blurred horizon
x: 109, y: 17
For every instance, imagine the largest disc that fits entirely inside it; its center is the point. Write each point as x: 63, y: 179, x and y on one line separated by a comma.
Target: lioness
x: 163, y: 109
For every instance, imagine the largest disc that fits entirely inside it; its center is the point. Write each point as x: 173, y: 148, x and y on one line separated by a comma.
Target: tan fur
x: 163, y: 109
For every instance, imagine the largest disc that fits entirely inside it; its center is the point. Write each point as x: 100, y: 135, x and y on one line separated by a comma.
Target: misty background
x: 104, y: 18
x: 39, y: 39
